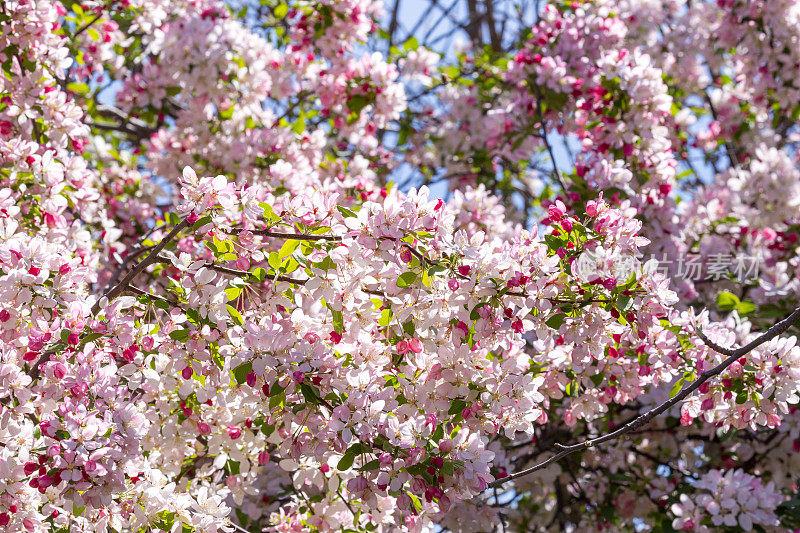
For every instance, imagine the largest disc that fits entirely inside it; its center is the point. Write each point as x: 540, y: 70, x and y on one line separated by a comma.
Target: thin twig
x: 239, y: 528
x: 140, y: 292
x: 89, y: 24
x: 556, y: 171
x: 279, y: 235
x: 152, y: 257
x: 645, y: 418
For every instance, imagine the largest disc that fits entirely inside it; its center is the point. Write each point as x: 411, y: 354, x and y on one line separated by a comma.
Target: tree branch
x: 90, y: 23
x: 645, y: 418
x: 279, y: 235
x: 151, y: 258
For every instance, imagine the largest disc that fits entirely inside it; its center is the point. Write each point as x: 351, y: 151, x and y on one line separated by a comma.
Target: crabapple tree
x: 265, y: 268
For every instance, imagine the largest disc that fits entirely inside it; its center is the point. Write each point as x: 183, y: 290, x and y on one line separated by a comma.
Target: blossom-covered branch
x: 645, y: 418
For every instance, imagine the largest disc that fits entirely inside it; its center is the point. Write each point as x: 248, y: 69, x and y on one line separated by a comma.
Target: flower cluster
x: 218, y: 310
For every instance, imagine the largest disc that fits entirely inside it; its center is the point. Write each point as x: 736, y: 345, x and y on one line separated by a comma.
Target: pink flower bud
x: 187, y: 372
x: 415, y: 345
x: 446, y: 446
x: 557, y: 210
x: 234, y: 432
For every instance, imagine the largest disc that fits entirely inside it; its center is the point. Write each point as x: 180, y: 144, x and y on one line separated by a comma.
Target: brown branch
x: 547, y: 145
x: 140, y: 292
x: 645, y: 418
x: 90, y: 23
x: 131, y: 256
x: 279, y: 235
x: 152, y: 257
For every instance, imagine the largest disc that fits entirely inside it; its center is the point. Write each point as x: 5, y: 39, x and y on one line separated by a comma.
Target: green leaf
x: 406, y: 279
x: 280, y: 11
x: 202, y: 222
x: 233, y: 293
x: 274, y: 261
x: 386, y: 317
x: 269, y: 213
x: 416, y: 502
x: 346, y: 213
x: 288, y: 248
x: 411, y: 44
x: 372, y: 465
x: 744, y: 308
x: 474, y: 315
x: 727, y: 301
x: 79, y: 88
x: 624, y: 303
x: 218, y: 360
x: 338, y: 321
x: 349, y: 456
x: 259, y: 274
x: 325, y: 264
x: 235, y: 315
x: 241, y: 371
x: 232, y: 467
x: 180, y: 335
x: 277, y: 399
x: 226, y: 114
x: 426, y: 279
x: 299, y: 125
x: 172, y: 218
x: 676, y: 388
x: 357, y: 102
x: 556, y: 320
